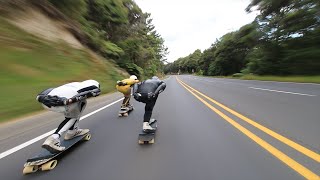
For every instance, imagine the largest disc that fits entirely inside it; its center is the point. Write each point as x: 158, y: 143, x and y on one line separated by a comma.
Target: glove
x: 50, y: 101
x: 136, y: 96
x: 120, y: 83
x: 151, y: 95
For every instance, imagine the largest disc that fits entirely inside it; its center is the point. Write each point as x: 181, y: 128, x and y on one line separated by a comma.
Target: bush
x: 133, y: 69
x: 237, y: 75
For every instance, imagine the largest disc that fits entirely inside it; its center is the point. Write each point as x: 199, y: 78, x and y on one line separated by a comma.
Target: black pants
x: 148, y: 109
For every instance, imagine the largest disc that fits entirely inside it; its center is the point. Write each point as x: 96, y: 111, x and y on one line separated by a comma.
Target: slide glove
x: 50, y: 101
x: 120, y: 83
x: 151, y: 95
x: 136, y: 96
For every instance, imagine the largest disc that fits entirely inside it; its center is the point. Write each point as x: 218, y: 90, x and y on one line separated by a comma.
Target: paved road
x: 197, y: 137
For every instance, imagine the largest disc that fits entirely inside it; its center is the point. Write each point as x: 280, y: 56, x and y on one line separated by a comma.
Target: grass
x: 29, y: 65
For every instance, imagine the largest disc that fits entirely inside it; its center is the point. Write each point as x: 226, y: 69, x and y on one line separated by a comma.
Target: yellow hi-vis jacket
x: 125, y: 85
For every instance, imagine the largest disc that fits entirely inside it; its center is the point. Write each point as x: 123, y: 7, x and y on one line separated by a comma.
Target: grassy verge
x: 29, y: 65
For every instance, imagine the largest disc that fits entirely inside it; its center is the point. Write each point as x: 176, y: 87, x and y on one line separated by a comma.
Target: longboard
x: 45, y: 160
x: 124, y: 112
x: 148, y: 138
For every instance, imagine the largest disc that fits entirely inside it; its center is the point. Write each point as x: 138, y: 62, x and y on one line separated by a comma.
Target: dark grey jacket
x: 150, y: 88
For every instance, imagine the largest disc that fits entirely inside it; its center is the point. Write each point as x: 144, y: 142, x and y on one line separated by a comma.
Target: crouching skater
x: 69, y: 99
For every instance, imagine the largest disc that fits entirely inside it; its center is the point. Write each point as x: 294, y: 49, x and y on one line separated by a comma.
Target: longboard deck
x: 124, y: 113
x: 44, y: 156
x: 148, y: 138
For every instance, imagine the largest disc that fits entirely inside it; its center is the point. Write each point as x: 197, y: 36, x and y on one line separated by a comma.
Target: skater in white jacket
x: 69, y: 99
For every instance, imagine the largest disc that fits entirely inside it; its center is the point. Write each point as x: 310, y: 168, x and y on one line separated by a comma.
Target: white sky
x: 187, y: 25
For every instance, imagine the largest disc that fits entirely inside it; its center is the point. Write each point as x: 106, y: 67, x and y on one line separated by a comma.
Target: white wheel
x: 125, y: 114
x: 141, y: 142
x: 87, y: 137
x: 49, y: 165
x: 30, y: 169
x: 120, y: 115
x: 151, y: 141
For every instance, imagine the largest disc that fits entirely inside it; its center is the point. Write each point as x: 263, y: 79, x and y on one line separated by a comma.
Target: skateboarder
x: 147, y: 92
x: 69, y: 99
x: 124, y: 87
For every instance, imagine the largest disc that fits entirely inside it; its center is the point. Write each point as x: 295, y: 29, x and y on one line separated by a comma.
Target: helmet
x: 155, y: 77
x: 133, y: 77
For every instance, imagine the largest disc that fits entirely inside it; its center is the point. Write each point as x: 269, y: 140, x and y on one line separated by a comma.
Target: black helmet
x: 155, y: 77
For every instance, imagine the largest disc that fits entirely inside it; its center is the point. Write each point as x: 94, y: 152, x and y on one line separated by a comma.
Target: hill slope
x: 36, y: 57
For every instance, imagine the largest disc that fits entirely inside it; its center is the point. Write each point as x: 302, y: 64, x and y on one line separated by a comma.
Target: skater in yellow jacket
x: 124, y: 87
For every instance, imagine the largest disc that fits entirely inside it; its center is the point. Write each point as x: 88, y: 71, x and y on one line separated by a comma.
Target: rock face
x: 42, y: 19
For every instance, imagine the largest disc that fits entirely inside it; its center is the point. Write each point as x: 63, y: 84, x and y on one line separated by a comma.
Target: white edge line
x: 287, y: 82
x: 282, y: 91
x: 23, y: 145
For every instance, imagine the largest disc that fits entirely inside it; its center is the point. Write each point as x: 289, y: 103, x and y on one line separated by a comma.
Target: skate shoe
x: 130, y: 107
x: 53, y: 145
x: 74, y: 133
x: 147, y: 128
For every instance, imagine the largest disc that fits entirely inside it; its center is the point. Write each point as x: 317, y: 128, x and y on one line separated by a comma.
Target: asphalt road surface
x: 208, y: 129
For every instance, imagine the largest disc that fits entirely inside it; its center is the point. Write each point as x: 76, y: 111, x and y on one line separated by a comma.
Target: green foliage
x: 111, y: 50
x: 302, y: 61
x: 283, y: 40
x: 213, y: 69
x: 189, y: 64
x: 206, y: 58
x: 237, y: 75
x: 119, y: 30
x: 105, y: 12
x: 291, y: 38
x: 133, y: 69
x: 74, y: 9
x: 264, y: 59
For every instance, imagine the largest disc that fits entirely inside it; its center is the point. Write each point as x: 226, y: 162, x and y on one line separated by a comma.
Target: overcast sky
x: 187, y: 25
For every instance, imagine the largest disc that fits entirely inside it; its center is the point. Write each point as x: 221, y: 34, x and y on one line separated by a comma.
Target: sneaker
x: 130, y: 107
x: 74, y: 133
x: 147, y: 128
x: 53, y: 145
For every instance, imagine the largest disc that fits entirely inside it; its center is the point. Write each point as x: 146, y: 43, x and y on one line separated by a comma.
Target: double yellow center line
x: 308, y: 174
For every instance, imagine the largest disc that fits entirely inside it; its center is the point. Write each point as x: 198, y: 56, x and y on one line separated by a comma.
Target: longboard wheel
x: 151, y: 141
x: 49, y: 165
x: 146, y: 142
x: 125, y: 114
x: 120, y: 115
x: 30, y: 169
x: 87, y: 137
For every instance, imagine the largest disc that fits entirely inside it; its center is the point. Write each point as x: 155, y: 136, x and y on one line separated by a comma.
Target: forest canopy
x: 284, y: 39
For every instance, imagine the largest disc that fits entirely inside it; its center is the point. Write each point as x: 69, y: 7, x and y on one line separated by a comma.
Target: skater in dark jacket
x: 147, y: 92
